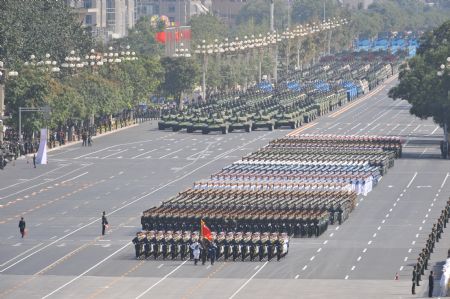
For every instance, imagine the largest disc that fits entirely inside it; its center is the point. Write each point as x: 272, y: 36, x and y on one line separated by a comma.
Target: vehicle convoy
x: 300, y: 97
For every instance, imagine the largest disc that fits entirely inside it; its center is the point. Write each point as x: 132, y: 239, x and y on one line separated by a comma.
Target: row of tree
x: 51, y: 26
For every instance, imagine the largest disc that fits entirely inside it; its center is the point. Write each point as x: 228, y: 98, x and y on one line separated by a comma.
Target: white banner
x: 41, y: 157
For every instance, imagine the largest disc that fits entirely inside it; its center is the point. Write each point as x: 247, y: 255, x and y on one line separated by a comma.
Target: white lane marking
x: 413, y: 242
x: 346, y: 277
x: 374, y: 235
x: 426, y: 216
x: 171, y: 153
x: 16, y: 257
x: 423, y: 221
x: 383, y: 221
x: 256, y: 268
x: 398, y: 199
x: 410, y: 182
x: 296, y: 276
x: 137, y: 156
x: 420, y: 228
x: 409, y: 250
x: 93, y: 267
x: 50, y: 239
x: 379, y: 228
x: 395, y: 204
x: 401, y: 268
x: 331, y: 234
x: 74, y: 177
x: 28, y: 180
x: 159, y: 267
x: 17, y: 244
x: 365, y: 249
x: 47, y: 181
x: 405, y: 259
x: 325, y: 242
x: 312, y: 258
x: 304, y: 268
x: 337, y: 227
x: 417, y: 235
x: 390, y: 210
x: 445, y: 180
x: 370, y: 242
x: 353, y: 268
x: 319, y: 250
x: 238, y: 290
x: 359, y: 258
x: 38, y: 224
x: 115, y: 153
x: 387, y: 215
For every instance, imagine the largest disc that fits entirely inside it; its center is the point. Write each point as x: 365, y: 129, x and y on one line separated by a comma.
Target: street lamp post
x: 444, y: 72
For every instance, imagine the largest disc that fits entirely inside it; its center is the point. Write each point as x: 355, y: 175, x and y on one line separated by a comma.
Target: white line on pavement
x: 45, y: 173
x: 82, y: 274
x: 143, y: 154
x: 115, y: 153
x: 16, y: 257
x: 162, y: 279
x: 171, y: 153
x: 235, y: 293
x: 46, y: 182
x: 410, y: 182
x: 443, y: 183
x: 74, y: 177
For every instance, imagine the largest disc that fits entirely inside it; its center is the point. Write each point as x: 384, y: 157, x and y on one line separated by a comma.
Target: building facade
x: 111, y: 19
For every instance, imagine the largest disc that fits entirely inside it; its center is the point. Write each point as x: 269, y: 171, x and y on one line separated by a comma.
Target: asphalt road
x: 65, y: 256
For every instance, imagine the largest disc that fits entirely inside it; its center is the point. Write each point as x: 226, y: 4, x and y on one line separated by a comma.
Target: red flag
x: 205, y: 231
x: 161, y: 37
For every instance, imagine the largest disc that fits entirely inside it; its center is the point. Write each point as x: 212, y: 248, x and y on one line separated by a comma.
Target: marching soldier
x: 137, y: 245
x: 414, y: 279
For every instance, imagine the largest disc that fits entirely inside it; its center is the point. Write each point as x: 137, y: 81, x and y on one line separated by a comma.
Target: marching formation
x: 294, y: 187
x: 425, y: 254
x: 223, y: 246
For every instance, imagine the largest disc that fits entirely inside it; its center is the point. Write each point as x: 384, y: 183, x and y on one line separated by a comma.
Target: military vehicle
x: 263, y: 120
x: 167, y: 121
x: 242, y: 122
x: 292, y: 119
x: 183, y: 122
x: 199, y: 123
x: 215, y: 124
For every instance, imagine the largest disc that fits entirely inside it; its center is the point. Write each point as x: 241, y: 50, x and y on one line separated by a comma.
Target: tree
x: 40, y: 27
x: 420, y: 85
x: 142, y: 39
x: 207, y: 27
x: 180, y: 75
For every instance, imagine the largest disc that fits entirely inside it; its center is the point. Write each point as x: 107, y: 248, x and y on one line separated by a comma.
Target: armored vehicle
x: 215, y: 124
x: 241, y: 122
x: 263, y: 121
x: 167, y: 121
